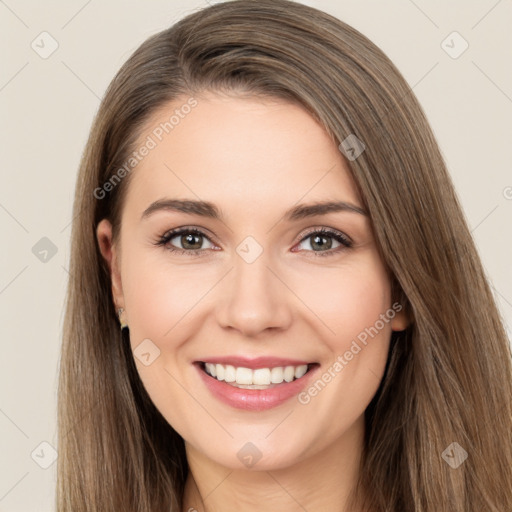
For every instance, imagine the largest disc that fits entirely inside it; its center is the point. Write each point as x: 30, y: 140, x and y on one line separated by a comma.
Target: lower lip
x: 255, y: 399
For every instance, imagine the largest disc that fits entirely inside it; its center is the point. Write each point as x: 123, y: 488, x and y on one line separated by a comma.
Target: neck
x: 319, y: 482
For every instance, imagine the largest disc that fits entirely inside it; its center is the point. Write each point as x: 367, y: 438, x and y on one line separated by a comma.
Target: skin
x: 254, y: 158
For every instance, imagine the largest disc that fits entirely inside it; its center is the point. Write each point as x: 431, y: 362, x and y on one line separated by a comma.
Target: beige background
x: 47, y: 107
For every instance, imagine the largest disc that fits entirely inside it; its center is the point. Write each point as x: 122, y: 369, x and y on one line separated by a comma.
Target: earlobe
x: 110, y: 254
x: 400, y: 321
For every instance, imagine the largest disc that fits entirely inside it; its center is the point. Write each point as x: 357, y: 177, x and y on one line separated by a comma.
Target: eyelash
x: 164, y: 240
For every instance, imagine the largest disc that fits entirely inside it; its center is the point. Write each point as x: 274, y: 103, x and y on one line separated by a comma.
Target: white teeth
x: 243, y: 376
x: 249, y: 386
x: 300, y: 371
x: 289, y: 373
x: 229, y: 373
x: 259, y: 378
x: 276, y: 375
x: 211, y: 369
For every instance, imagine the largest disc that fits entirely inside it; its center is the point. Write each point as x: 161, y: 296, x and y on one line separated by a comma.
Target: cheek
x: 160, y: 301
x: 159, y: 297
x: 350, y: 304
x: 347, y: 299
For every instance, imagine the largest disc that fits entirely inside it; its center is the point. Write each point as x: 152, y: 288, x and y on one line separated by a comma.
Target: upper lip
x: 253, y: 363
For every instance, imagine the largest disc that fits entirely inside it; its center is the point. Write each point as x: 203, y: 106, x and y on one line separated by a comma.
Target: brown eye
x: 191, y: 241
x: 324, y: 242
x: 185, y: 240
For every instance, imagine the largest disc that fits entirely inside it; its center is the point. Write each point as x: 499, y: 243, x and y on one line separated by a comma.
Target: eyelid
x: 327, y: 231
x: 164, y: 240
x: 344, y: 241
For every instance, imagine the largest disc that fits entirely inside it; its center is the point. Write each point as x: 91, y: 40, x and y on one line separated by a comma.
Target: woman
x: 305, y: 322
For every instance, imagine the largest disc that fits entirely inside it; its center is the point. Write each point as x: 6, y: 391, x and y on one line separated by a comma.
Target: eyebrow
x: 207, y: 209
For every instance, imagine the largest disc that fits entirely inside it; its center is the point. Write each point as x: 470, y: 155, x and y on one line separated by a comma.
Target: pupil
x: 189, y: 239
x: 317, y: 240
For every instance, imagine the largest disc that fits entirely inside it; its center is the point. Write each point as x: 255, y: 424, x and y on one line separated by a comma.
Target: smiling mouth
x: 260, y: 378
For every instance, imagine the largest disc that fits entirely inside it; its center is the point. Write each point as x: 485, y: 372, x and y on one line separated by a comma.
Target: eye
x: 322, y: 242
x: 189, y: 240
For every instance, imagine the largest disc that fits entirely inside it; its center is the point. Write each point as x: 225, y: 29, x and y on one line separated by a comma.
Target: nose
x: 253, y: 298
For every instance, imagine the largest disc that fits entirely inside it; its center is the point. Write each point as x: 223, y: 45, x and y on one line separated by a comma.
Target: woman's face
x: 254, y: 285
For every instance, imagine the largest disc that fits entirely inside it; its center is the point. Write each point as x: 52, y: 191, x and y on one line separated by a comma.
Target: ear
x: 400, y: 321
x: 403, y: 315
x: 109, y: 252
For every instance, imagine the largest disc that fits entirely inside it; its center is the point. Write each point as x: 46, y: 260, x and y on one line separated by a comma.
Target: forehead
x: 237, y: 151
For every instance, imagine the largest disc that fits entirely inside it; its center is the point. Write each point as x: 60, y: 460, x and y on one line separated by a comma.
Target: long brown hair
x: 449, y: 375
